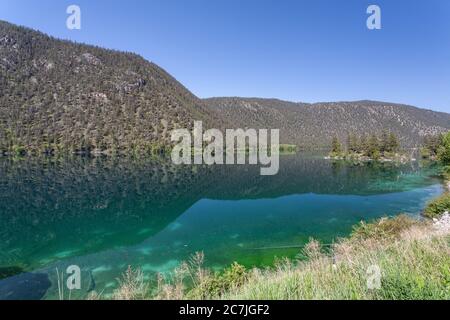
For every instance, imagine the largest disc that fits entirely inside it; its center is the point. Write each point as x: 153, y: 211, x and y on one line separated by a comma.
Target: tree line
x: 437, y: 147
x: 373, y: 146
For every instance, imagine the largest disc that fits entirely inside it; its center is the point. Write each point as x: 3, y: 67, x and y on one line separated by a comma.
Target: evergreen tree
x: 444, y: 149
x: 393, y: 143
x: 384, y: 142
x: 363, y: 144
x: 352, y: 143
x: 373, y: 147
x: 431, y: 144
x: 336, y: 147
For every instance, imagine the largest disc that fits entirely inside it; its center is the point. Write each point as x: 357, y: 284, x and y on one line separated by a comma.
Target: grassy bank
x: 438, y: 206
x: 413, y: 263
x: 413, y: 258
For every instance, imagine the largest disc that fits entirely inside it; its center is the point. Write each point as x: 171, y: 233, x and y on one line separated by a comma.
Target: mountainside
x: 61, y: 96
x: 58, y: 94
x: 314, y: 125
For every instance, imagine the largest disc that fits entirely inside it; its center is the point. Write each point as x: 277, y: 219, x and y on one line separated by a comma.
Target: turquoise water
x: 105, y: 214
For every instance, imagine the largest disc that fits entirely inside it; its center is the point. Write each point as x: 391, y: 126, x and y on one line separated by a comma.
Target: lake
x: 106, y: 214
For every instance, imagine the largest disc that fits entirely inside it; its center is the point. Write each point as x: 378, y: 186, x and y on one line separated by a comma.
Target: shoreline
x: 399, y: 238
x: 385, y: 231
x: 389, y: 244
x: 366, y: 159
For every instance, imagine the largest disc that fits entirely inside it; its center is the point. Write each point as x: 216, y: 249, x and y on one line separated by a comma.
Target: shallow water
x: 106, y: 214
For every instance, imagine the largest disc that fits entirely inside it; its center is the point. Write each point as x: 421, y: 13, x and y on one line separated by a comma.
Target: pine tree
x: 393, y: 143
x: 431, y: 144
x: 373, y: 149
x: 444, y: 149
x: 336, y: 147
x: 363, y: 144
x: 352, y: 143
x: 385, y: 141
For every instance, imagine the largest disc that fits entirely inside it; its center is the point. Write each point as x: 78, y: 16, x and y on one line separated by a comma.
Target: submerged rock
x: 25, y: 286
x: 6, y: 272
x: 92, y: 284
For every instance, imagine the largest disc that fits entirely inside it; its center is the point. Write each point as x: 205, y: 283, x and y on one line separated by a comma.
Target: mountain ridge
x: 59, y: 95
x: 311, y: 125
x: 372, y: 101
x: 56, y: 94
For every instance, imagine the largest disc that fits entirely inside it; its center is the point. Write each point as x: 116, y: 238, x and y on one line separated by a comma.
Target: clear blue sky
x: 311, y: 50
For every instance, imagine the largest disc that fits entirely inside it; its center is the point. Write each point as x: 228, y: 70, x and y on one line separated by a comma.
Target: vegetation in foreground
x: 412, y: 256
x: 437, y: 206
x: 439, y: 148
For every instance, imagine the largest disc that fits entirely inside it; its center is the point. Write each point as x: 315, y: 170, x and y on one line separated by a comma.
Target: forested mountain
x: 61, y: 96
x: 314, y: 125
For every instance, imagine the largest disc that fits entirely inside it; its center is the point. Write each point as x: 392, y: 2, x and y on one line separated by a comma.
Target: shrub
x: 131, y: 286
x: 288, y: 148
x: 446, y: 173
x: 425, y: 153
x: 312, y: 250
x: 375, y: 155
x: 217, y: 284
x: 437, y: 207
x: 385, y: 228
x: 18, y: 150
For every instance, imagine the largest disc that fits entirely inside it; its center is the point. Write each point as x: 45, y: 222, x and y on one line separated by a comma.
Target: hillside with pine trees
x: 62, y: 96
x: 58, y: 96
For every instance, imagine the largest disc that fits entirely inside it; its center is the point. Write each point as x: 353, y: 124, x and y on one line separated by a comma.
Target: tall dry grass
x: 412, y: 257
x: 131, y: 286
x: 414, y: 264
